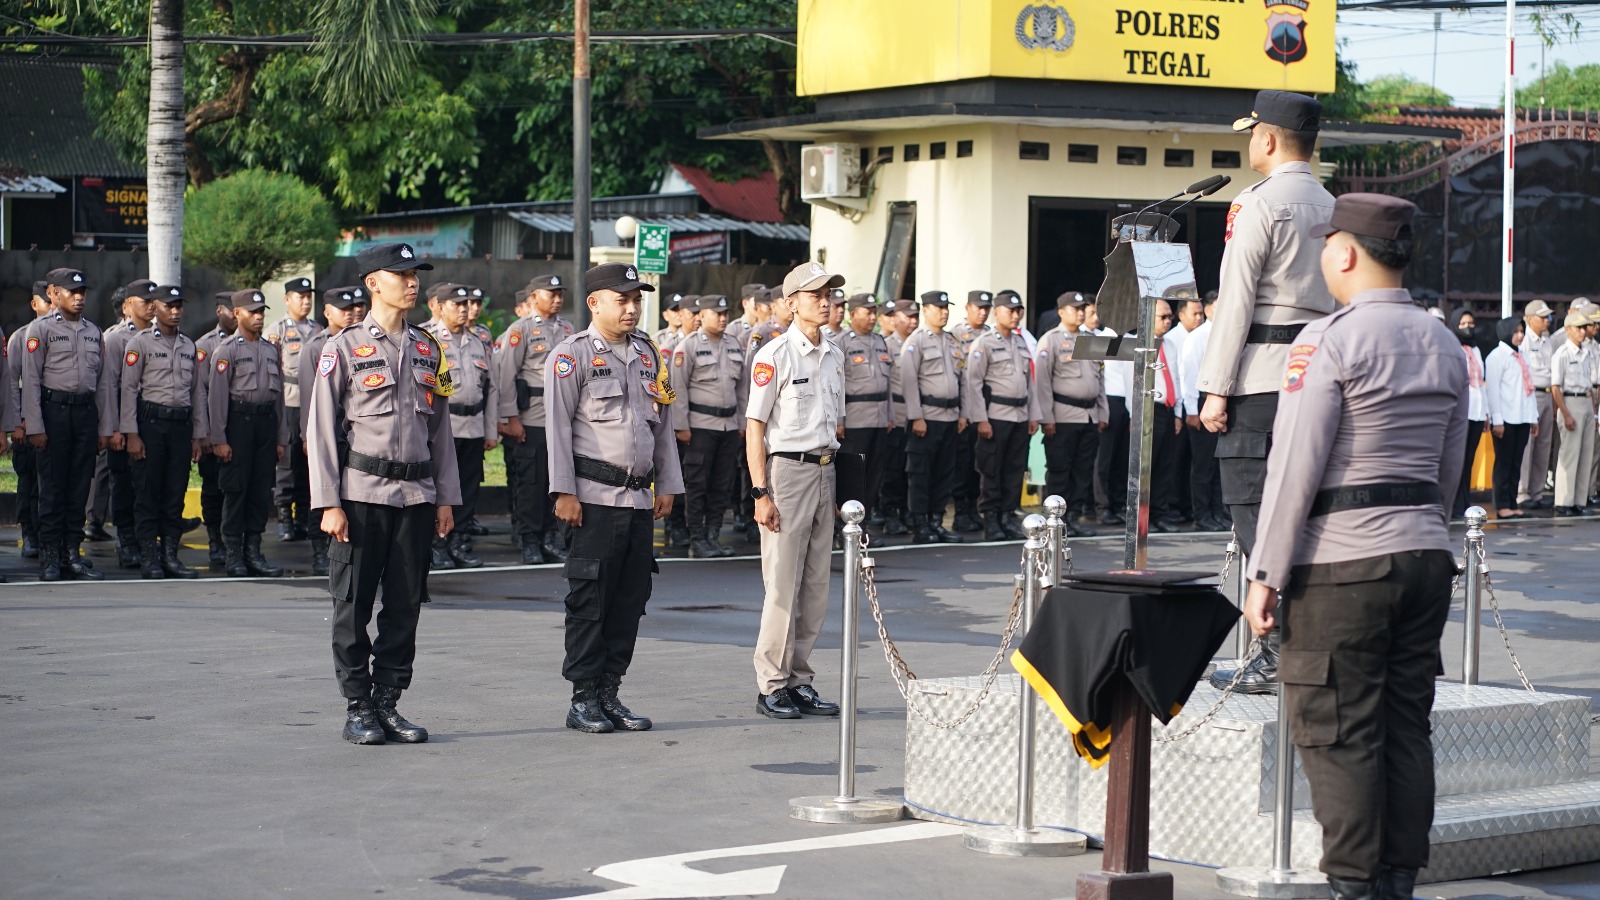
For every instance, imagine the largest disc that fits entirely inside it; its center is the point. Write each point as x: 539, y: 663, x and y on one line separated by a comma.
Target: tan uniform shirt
x: 375, y: 389
x: 930, y: 370
x: 475, y: 405
x: 868, y: 371
x: 289, y: 337
x: 999, y: 369
x: 160, y: 369
x: 117, y: 338
x: 1572, y: 368
x: 797, y: 389
x: 68, y: 357
x: 522, y: 354
x: 1271, y: 275
x: 1057, y: 373
x: 243, y: 371
x: 708, y: 377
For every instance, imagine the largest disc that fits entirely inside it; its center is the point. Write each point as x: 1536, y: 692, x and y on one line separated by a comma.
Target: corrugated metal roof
x: 30, y: 184
x: 699, y: 224
x: 44, y: 127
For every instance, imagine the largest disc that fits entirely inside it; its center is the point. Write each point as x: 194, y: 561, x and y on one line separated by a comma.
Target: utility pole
x: 1508, y: 196
x: 581, y: 181
x: 1433, y: 80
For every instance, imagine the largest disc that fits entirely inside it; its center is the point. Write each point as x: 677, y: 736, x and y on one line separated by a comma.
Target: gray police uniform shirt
x: 375, y: 389
x: 797, y: 389
x: 243, y: 371
x: 204, y: 346
x: 1271, y: 275
x: 1004, y: 366
x: 310, y: 352
x: 897, y: 397
x: 1373, y: 394
x: 708, y: 374
x: 289, y: 337
x: 1057, y: 373
x: 603, y: 404
x: 15, y: 347
x: 68, y: 357
x: 868, y: 371
x: 471, y: 366
x: 966, y: 335
x: 163, y: 370
x: 523, y: 352
x: 117, y: 338
x: 930, y: 368
x: 740, y: 329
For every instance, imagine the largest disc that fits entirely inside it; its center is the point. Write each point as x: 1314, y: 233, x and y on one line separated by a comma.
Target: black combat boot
x: 439, y: 556
x: 395, y: 727
x: 319, y: 553
x: 677, y: 535
x: 150, y: 561
x: 621, y: 717
x: 894, y: 523
x: 475, y: 528
x: 1260, y: 673
x: 49, y: 562
x: 255, y: 562
x: 171, y: 565
x: 30, y: 545
x: 460, y: 553
x: 921, y: 532
x: 73, y: 561
x: 554, y: 546
x: 586, y: 713
x: 1074, y: 529
x: 942, y: 534
x: 1351, y: 889
x: 302, y: 523
x: 233, y: 547
x: 967, y: 521
x: 992, y: 531
x: 361, y: 722
x: 532, y: 555
x: 1012, y: 528
x: 217, y: 549
x: 700, y: 548
x: 129, y: 556
x: 1395, y: 884
x: 285, y: 522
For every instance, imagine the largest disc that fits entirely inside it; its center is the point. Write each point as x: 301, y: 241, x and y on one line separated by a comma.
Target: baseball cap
x: 619, y: 277
x: 522, y: 296
x: 1008, y: 300
x: 170, y: 294
x: 71, y: 279
x: 980, y: 298
x: 1538, y: 309
x: 909, y: 307
x: 297, y: 285
x: 344, y: 297
x: 673, y: 301
x: 251, y: 300
x: 1575, y: 319
x: 836, y: 297
x: 711, y: 302
x: 1286, y: 109
x: 935, y: 298
x: 752, y: 290
x: 140, y: 287
x: 1072, y: 298
x: 546, y: 283
x: 861, y: 301
x: 1370, y: 215
x: 445, y: 289
x: 475, y: 293
x: 809, y: 276
x: 389, y: 257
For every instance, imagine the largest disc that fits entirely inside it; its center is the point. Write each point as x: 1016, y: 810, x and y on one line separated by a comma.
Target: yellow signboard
x: 857, y: 45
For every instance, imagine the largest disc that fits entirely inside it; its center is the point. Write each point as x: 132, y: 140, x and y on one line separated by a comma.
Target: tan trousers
x: 1536, y: 458
x: 1577, y: 454
x: 795, y: 569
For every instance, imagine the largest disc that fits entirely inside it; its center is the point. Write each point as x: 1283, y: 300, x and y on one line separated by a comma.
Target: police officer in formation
x: 1000, y: 405
x: 289, y: 334
x: 708, y: 379
x: 1073, y: 410
x: 245, y: 415
x: 474, y: 413
x: 680, y: 314
x: 965, y: 492
x: 24, y: 459
x: 868, y: 409
x: 521, y: 363
x: 136, y: 317
x: 835, y: 328
x: 342, y: 307
x: 930, y: 378
x: 210, y: 466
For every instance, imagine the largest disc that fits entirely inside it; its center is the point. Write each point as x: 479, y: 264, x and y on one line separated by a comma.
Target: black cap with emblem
x: 1286, y: 109
x: 344, y: 297
x: 249, y: 300
x: 389, y: 257
x: 619, y: 277
x: 909, y: 307
x: 1008, y: 300
x: 139, y: 287
x: 711, y: 303
x: 169, y: 294
x: 1072, y: 298
x: 836, y: 296
x: 1369, y: 215
x: 71, y: 279
x: 861, y: 301
x: 444, y: 289
x: 935, y: 298
x: 672, y: 302
x: 547, y: 283
x: 755, y: 291
x: 980, y: 298
x: 297, y: 286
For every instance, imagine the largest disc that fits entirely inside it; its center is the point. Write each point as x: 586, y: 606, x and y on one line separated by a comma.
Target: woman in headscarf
x: 1464, y: 324
x: 1513, y: 411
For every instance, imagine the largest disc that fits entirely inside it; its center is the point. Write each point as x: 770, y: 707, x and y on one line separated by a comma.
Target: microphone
x: 1203, y: 189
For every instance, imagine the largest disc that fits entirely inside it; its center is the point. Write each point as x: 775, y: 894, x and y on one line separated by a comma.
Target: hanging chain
x: 1494, y: 607
x: 1238, y: 673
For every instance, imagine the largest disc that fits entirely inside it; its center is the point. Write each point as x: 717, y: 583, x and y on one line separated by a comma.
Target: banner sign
x: 110, y: 207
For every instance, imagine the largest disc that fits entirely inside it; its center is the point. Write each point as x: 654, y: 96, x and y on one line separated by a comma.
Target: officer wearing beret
x: 520, y: 366
x: 707, y: 376
x: 209, y: 466
x: 160, y: 418
x: 613, y: 469
x: 1073, y: 409
x: 289, y: 335
x: 386, y: 492
x: 24, y: 461
x: 136, y: 317
x: 342, y: 307
x: 1354, y: 537
x: 245, y: 415
x: 930, y: 377
x: 892, y: 496
x: 66, y: 406
x: 474, y: 416
x: 998, y: 398
x: 1270, y: 288
x: 868, y: 408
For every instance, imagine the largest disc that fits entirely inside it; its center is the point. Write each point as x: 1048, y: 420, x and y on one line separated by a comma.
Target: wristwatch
x: 756, y: 493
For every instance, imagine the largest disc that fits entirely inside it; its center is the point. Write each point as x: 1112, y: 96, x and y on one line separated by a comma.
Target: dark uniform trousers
x: 999, y: 462
x: 210, y: 469
x: 1508, y: 452
x: 608, y: 573
x: 967, y: 486
x: 1205, y: 490
x: 162, y: 477
x: 1242, y: 459
x: 388, y: 548
x: 122, y: 510
x: 469, y: 464
x: 66, y: 466
x: 531, y: 467
x: 1111, y: 463
x: 246, y: 481
x: 1360, y: 654
x: 931, y: 468
x: 709, y: 469
x: 25, y: 462
x: 892, y: 495
x: 1069, y: 465
x: 870, y: 443
x: 294, y: 473
x: 1164, y: 495
x: 508, y: 455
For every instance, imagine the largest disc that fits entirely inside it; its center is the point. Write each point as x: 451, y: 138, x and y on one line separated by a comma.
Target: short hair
x: 1296, y: 143
x: 1184, y: 303
x: 1391, y: 254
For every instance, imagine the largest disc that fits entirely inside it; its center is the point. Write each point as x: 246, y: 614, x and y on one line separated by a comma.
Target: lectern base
x: 1125, y: 886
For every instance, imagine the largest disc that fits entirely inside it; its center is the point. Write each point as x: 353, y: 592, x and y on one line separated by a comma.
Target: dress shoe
x: 189, y: 524
x: 1395, y: 884
x: 1260, y: 673
x: 171, y: 565
x: 532, y: 554
x: 461, y: 553
x: 439, y: 556
x: 96, y: 531
x: 992, y: 530
x: 967, y: 522
x: 30, y: 546
x: 1165, y: 526
x: 150, y: 564
x: 128, y: 555
x: 1111, y: 518
x: 1076, y: 530
x: 475, y: 528
x: 586, y: 714
x: 622, y: 718
x: 554, y: 546
x: 777, y: 705
x: 1566, y: 511
x: 943, y: 534
x: 894, y: 524
x: 1351, y: 889
x: 255, y: 562
x: 395, y: 727
x: 361, y: 722
x: 805, y: 698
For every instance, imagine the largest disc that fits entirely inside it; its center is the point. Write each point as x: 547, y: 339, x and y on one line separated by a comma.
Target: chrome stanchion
x: 1241, y: 588
x: 847, y: 808
x: 1055, y: 510
x: 1023, y: 839
x: 1475, y: 567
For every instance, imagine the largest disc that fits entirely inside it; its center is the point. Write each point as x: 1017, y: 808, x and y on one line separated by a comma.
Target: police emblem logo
x: 405, y: 252
x: 762, y: 375
x: 858, y: 359
x: 677, y: 359
x: 1286, y: 30
x: 376, y: 379
x: 364, y: 351
x: 272, y: 339
x: 429, y: 379
x: 884, y: 357
x: 222, y: 366
x: 1044, y: 27
x: 199, y: 355
x: 481, y: 364
x: 132, y: 357
x: 424, y: 349
x: 652, y: 388
x: 294, y: 347
x: 539, y: 348
x: 516, y: 338
x: 33, y: 344
x: 1233, y: 213
x: 326, y: 364
x: 564, y: 365
x: 555, y: 280
x: 646, y: 361
x: 598, y: 361
x: 1294, y: 374
x: 632, y: 273
x: 817, y: 269
x: 76, y: 277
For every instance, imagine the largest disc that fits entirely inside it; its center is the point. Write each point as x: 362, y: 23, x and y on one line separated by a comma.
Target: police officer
x: 1270, y: 288
x: 965, y: 492
x: 386, y: 493
x: 520, y: 364
x: 999, y: 401
x: 245, y: 415
x: 774, y: 321
x: 160, y: 416
x: 476, y: 301
x: 672, y: 314
x: 209, y: 466
x: 613, y: 469
x: 342, y: 307
x: 708, y: 378
x: 892, y: 496
x: 751, y: 298
x: 835, y: 328
x: 795, y: 410
x: 474, y: 416
x: 65, y: 411
x: 680, y: 315
x: 1354, y: 536
x: 930, y: 377
x: 136, y: 317
x: 289, y: 335
x: 1073, y: 409
x: 868, y: 408
x: 520, y: 310
x: 24, y: 461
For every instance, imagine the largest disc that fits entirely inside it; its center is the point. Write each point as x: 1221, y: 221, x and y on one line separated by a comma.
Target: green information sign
x: 650, y: 249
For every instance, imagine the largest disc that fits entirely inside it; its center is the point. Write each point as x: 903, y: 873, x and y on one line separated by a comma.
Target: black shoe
x: 128, y: 555
x: 1563, y: 512
x: 922, y: 531
x: 475, y: 528
x: 777, y: 705
x: 1260, y: 673
x: 967, y: 522
x: 395, y: 727
x: 96, y: 532
x: 49, y: 563
x: 895, y: 524
x: 1165, y: 526
x: 992, y: 530
x: 460, y: 553
x: 440, y: 556
x: 285, y: 523
x: 875, y: 518
x: 78, y: 567
x: 1351, y: 889
x: 233, y: 548
x: 586, y: 713
x: 943, y: 534
x: 171, y: 565
x: 700, y: 548
x: 621, y: 717
x: 752, y: 532
x: 806, y: 700
x: 190, y: 524
x: 255, y: 562
x: 319, y: 554
x: 30, y: 546
x: 532, y: 555
x: 677, y: 535
x: 150, y: 564
x: 217, y: 550
x: 1012, y: 528
x: 361, y: 722
x: 554, y: 546
x: 1076, y: 530
x: 1111, y: 518
x: 1395, y: 884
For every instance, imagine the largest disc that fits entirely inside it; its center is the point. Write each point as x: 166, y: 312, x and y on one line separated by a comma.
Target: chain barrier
x: 1500, y: 623
x: 1238, y: 672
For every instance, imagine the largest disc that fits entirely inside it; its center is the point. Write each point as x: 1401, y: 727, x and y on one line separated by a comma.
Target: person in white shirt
x: 1537, y: 348
x: 1466, y: 328
x: 1205, y: 475
x: 1190, y: 313
x: 1509, y: 394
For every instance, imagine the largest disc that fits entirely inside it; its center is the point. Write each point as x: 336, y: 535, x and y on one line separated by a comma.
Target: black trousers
x: 709, y: 469
x: 1164, y: 495
x: 1464, y: 492
x: 66, y: 466
x: 294, y: 473
x: 1182, y: 452
x: 1000, y: 461
x: 968, y: 483
x: 469, y: 463
x: 210, y: 491
x: 388, y: 548
x: 1069, y: 465
x: 25, y: 462
x: 1508, y: 451
x: 892, y: 492
x: 530, y: 463
x: 930, y: 468
x: 508, y: 454
x: 122, y: 512
x: 246, y: 481
x: 870, y: 443
x: 1360, y: 653
x: 1111, y: 461
x: 1242, y: 460
x: 1205, y: 487
x: 161, y: 478
x: 608, y: 584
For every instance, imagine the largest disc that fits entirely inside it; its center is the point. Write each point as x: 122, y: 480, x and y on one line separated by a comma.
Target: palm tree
x: 165, y: 169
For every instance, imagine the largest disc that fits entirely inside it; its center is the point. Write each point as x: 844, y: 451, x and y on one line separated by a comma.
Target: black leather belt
x: 721, y: 412
x: 464, y: 409
x: 66, y: 398
x: 1574, y: 393
x: 239, y: 407
x: 292, y: 379
x: 389, y: 468
x: 1008, y: 401
x: 161, y: 411
x: 898, y: 398
x: 941, y: 402
x: 1273, y: 334
x: 817, y: 459
x: 607, y: 474
x: 879, y: 397
x: 525, y: 394
x: 1367, y: 496
x: 1073, y: 401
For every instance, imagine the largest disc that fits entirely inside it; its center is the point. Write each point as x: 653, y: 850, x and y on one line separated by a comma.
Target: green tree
x: 1563, y: 88
x: 254, y: 225
x: 1386, y: 92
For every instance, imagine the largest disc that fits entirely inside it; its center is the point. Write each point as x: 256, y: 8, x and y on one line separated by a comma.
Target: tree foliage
x: 254, y: 225
x: 1563, y: 87
x: 1388, y: 92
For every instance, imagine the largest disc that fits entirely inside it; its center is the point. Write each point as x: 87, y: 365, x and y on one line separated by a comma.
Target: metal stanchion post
x: 847, y: 808
x: 1023, y: 839
x: 1241, y: 588
x: 1476, y: 518
x: 1055, y: 509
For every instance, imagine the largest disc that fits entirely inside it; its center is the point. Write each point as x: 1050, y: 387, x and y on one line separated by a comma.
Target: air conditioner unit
x: 830, y: 171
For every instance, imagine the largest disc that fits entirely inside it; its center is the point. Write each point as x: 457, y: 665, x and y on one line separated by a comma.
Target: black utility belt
x: 241, y: 408
x: 1574, y: 393
x: 816, y: 459
x: 898, y: 398
x: 942, y: 402
x: 525, y: 394
x: 1369, y: 496
x: 468, y: 409
x: 389, y: 468
x: 879, y: 397
x: 292, y: 379
x: 1008, y: 401
x: 607, y: 474
x: 148, y: 410
x: 66, y: 398
x: 1073, y: 401
x: 1273, y: 334
x: 721, y: 412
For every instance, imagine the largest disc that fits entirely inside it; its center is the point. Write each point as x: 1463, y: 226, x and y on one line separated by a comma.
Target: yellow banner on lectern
x: 858, y: 45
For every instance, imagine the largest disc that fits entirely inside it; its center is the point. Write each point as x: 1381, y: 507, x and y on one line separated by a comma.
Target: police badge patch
x: 326, y: 364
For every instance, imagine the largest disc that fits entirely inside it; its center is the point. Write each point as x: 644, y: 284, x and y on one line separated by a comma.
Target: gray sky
x: 1471, y: 55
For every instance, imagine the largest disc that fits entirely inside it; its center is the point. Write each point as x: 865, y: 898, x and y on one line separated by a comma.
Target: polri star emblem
x: 424, y: 349
x: 376, y: 379
x: 364, y: 351
x: 33, y: 344
x: 405, y: 252
x: 762, y: 375
x: 516, y: 338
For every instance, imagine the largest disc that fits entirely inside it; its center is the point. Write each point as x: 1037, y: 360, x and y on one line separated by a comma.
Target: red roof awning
x: 750, y: 199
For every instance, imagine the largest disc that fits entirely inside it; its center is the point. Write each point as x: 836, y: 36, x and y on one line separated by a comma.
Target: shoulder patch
x: 222, y: 365
x: 1233, y: 213
x: 199, y: 354
x: 1294, y: 374
x: 326, y: 363
x: 131, y: 357
x: 762, y: 375
x: 564, y: 365
x: 33, y: 344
